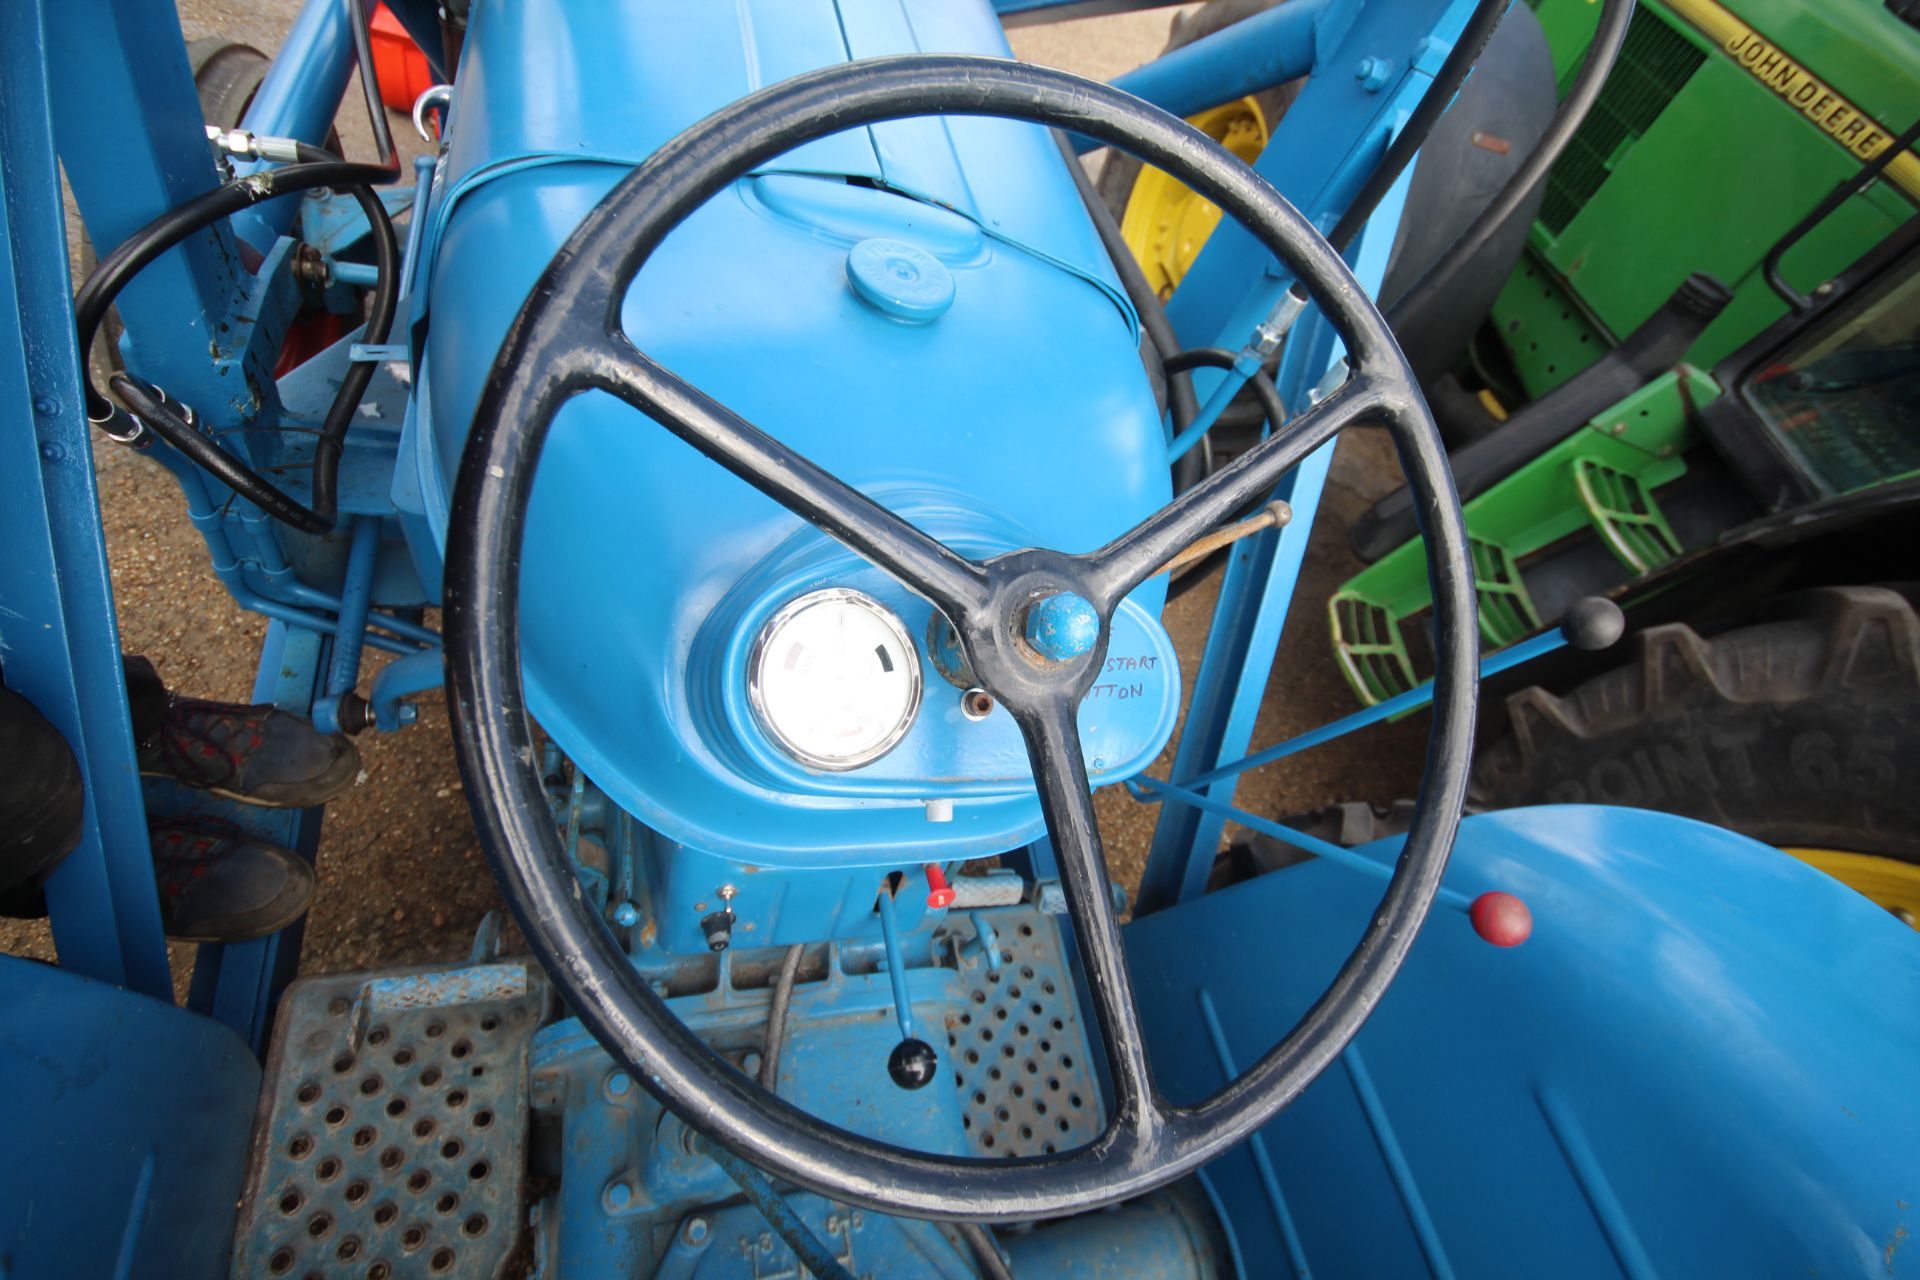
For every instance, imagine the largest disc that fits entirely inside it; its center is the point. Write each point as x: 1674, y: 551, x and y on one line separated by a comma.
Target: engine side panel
x: 1019, y: 417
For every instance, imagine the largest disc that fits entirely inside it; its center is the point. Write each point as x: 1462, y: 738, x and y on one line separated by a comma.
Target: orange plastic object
x: 398, y: 63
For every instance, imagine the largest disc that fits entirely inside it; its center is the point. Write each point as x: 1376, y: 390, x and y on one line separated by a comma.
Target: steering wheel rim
x: 567, y: 339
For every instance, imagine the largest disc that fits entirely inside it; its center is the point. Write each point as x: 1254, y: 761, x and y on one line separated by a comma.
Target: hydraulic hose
x: 1429, y: 289
x: 1190, y: 575
x: 164, y: 417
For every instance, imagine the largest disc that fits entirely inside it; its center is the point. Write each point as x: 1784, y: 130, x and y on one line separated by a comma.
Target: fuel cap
x: 900, y: 280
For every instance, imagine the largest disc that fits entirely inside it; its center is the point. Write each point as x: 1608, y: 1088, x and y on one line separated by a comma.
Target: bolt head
x: 1062, y: 627
x: 695, y: 1232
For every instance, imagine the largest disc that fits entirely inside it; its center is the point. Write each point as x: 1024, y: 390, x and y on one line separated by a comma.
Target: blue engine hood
x: 1020, y: 417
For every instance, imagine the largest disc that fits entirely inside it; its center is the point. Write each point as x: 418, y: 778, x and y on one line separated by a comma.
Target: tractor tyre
x: 1801, y: 730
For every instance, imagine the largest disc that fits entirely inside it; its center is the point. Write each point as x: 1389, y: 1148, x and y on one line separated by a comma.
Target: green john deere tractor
x: 1683, y: 375
x: 1698, y: 393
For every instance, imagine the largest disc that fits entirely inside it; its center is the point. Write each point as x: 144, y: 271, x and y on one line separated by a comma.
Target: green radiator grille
x: 1655, y: 60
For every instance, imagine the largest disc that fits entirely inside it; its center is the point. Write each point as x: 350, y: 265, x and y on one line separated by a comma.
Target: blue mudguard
x: 1702, y: 1063
x: 127, y: 1124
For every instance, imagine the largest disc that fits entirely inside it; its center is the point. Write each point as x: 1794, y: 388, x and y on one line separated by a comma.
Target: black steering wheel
x: 567, y: 340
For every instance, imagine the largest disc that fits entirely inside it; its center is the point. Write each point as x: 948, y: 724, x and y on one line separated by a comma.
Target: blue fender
x: 1702, y: 1062
x: 127, y: 1123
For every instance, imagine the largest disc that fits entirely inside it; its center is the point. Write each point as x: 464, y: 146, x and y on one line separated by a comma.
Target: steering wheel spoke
x: 1060, y: 774
x: 1138, y: 554
x: 920, y: 561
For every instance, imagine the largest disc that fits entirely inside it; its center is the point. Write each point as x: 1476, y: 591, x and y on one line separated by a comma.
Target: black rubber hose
x: 331, y: 444
x: 97, y: 295
x: 777, y: 1018
x: 1182, y: 403
x: 1271, y: 406
x: 1430, y: 289
x: 174, y: 423
x: 1433, y: 104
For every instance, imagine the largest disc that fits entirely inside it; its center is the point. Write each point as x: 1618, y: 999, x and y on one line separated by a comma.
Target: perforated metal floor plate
x: 390, y: 1143
x: 1019, y: 1051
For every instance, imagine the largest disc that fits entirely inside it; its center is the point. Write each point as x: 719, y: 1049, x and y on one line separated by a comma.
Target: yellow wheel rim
x: 1890, y: 882
x: 1166, y: 224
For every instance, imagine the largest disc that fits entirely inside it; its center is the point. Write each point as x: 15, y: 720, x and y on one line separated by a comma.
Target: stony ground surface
x: 402, y: 879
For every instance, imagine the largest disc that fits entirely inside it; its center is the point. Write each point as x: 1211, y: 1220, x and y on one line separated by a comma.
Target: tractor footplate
x: 390, y: 1140
x: 1020, y: 1054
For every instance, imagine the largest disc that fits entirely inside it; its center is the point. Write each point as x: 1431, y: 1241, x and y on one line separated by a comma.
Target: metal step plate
x: 1019, y: 1052
x: 390, y: 1139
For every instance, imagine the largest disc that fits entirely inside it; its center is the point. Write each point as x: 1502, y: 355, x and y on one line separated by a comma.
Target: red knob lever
x: 939, y: 892
x: 1501, y: 919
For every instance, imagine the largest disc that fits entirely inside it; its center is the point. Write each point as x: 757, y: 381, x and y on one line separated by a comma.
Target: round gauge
x: 834, y: 679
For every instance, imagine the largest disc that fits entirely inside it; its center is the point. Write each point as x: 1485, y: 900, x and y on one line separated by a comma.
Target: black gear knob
x: 913, y: 1064
x: 1593, y: 622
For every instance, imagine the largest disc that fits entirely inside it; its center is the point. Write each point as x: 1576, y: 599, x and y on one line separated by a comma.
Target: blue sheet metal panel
x: 1701, y: 1063
x: 1001, y: 173
x: 877, y: 400
x: 59, y: 646
x: 612, y: 80
x: 127, y: 1123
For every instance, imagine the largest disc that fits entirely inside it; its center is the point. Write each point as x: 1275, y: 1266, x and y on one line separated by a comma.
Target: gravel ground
x: 402, y: 880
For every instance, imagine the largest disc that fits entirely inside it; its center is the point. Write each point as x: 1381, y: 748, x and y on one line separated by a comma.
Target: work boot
x: 217, y: 884
x: 254, y: 754
x: 42, y: 803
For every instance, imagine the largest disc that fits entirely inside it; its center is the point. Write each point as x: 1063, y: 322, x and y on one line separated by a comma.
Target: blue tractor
x: 798, y: 465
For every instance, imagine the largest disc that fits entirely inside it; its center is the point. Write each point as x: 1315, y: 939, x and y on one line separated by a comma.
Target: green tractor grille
x: 1655, y: 61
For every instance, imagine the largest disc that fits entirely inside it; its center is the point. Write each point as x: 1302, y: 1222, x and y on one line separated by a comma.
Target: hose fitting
x: 253, y: 146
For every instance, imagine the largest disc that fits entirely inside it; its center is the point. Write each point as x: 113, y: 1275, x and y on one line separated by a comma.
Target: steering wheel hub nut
x: 1061, y: 627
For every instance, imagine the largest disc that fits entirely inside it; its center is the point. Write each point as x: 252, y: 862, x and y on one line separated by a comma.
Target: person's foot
x: 42, y: 803
x: 258, y: 755
x: 217, y: 884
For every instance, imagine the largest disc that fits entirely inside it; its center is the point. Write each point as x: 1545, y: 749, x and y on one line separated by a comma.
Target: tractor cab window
x: 1844, y: 396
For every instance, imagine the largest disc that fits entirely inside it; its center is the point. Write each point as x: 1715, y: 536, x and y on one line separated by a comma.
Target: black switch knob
x: 1593, y: 622
x: 913, y: 1064
x: 718, y: 928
